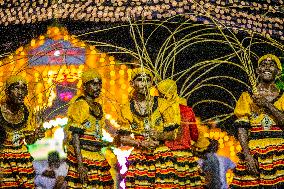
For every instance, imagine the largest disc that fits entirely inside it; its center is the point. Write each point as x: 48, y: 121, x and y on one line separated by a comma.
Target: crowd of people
x: 162, y: 129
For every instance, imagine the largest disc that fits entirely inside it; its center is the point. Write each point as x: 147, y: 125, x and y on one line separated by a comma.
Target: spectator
x: 215, y: 167
x: 52, y: 174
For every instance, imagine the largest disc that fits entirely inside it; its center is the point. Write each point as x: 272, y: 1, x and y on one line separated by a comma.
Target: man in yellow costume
x: 260, y: 131
x: 146, y: 123
x: 88, y: 168
x: 18, y: 128
x: 188, y: 173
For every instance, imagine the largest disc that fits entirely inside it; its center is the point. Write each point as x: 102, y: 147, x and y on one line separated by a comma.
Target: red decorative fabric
x: 188, y: 130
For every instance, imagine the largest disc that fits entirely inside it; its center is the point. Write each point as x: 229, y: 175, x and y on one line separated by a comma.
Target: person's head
x: 167, y: 89
x: 269, y: 67
x: 53, y: 160
x: 16, y: 89
x: 92, y: 83
x: 141, y: 81
x: 200, y: 146
x: 213, y: 146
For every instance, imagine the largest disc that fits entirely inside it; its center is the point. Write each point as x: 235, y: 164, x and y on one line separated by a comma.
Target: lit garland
x: 42, y: 78
x: 261, y: 16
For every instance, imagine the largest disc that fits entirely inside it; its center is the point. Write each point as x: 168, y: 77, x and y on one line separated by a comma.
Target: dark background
x: 14, y: 36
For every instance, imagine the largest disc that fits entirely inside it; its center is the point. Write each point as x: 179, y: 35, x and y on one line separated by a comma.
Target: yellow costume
x: 15, y: 160
x: 150, y: 168
x: 188, y: 173
x: 83, y: 122
x: 87, y: 121
x: 266, y: 144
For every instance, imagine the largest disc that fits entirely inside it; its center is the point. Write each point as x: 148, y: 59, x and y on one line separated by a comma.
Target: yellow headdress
x: 272, y: 57
x: 138, y: 71
x: 15, y: 79
x: 167, y: 87
x: 90, y: 75
x: 202, y: 144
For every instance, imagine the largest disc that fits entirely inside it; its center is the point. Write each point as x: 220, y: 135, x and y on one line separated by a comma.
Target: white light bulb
x: 59, y: 134
x: 46, y: 125
x: 57, y: 53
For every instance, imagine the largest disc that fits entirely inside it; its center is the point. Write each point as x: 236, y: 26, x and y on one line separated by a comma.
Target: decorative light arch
x: 58, y: 58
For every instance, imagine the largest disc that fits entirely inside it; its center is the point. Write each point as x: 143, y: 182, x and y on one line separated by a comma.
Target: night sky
x: 14, y: 36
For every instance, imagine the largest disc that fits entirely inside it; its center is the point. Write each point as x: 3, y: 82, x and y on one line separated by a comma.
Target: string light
x: 123, y: 10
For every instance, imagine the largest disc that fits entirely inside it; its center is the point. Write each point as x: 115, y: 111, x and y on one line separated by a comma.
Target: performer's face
x: 93, y: 88
x: 17, y: 92
x: 267, y: 70
x: 142, y: 83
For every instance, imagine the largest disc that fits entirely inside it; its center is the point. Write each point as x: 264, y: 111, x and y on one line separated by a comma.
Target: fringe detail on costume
x: 269, y: 153
x: 16, y: 167
x: 162, y: 168
x: 188, y: 172
x: 151, y: 169
x: 98, y: 172
x: 259, y: 133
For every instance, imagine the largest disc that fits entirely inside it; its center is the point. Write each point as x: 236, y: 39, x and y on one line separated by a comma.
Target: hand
x: 110, y: 128
x: 149, y: 144
x: 155, y: 135
x: 49, y: 173
x: 39, y: 133
x: 251, y: 164
x: 260, y: 101
x: 82, y: 173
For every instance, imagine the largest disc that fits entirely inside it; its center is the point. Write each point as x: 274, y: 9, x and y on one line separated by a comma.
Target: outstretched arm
x: 129, y: 141
x: 81, y: 168
x: 162, y: 136
x: 39, y: 133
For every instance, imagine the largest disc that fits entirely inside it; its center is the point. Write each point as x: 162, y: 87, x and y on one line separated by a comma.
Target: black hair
x: 213, y: 146
x: 52, y: 156
x: 100, y: 81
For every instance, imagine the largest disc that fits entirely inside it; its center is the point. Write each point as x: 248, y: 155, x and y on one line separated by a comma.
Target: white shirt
x: 43, y: 182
